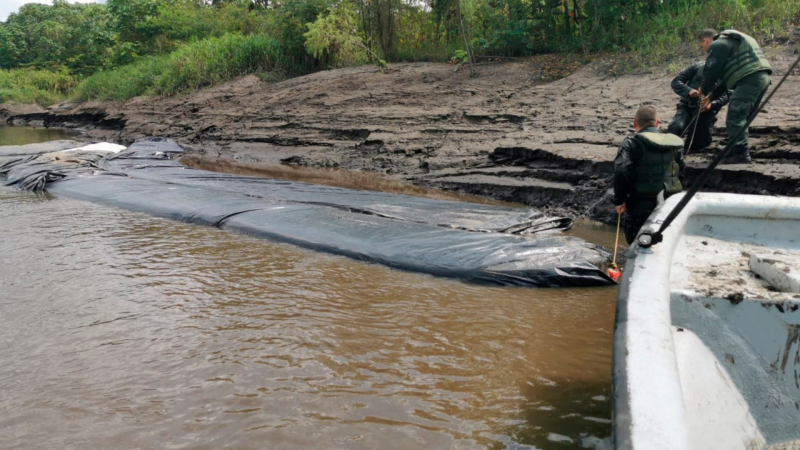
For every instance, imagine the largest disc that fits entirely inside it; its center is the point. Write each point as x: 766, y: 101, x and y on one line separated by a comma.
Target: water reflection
x: 30, y: 135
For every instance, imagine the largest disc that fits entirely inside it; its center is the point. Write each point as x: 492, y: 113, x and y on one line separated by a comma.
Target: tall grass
x: 28, y: 86
x: 191, y: 67
x: 123, y: 83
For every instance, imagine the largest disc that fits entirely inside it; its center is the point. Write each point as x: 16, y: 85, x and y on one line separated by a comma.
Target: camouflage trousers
x: 746, y: 97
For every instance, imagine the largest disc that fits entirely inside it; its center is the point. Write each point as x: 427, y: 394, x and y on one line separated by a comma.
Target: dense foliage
x: 131, y: 47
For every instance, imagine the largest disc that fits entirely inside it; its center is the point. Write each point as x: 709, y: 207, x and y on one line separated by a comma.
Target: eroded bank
x: 511, y: 133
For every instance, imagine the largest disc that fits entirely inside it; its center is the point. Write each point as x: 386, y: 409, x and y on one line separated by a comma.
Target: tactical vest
x: 746, y: 58
x: 657, y: 171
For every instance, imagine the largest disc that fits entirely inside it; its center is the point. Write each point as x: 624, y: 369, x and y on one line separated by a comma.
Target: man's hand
x: 694, y: 93
x: 705, y: 104
x: 621, y: 209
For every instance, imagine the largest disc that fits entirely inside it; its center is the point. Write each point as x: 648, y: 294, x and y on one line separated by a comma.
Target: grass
x: 29, y: 86
x: 194, y: 66
x: 124, y: 82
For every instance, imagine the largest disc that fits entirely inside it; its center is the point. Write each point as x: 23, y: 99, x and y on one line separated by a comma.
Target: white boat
x: 707, y: 336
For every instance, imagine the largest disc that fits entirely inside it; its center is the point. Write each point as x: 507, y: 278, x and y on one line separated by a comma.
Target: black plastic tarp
x: 8, y: 152
x: 492, y: 258
x: 154, y: 159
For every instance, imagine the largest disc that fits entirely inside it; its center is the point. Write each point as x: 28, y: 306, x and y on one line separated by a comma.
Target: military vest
x: 658, y: 171
x: 745, y: 59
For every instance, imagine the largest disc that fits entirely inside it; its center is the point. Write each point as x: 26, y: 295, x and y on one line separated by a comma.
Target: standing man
x: 647, y: 163
x: 739, y: 62
x: 696, y: 128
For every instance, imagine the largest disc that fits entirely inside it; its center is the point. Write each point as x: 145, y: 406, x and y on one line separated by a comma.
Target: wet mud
x: 512, y: 133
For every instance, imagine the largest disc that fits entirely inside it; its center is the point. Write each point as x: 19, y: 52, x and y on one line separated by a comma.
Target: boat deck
x: 706, y: 266
x: 735, y: 324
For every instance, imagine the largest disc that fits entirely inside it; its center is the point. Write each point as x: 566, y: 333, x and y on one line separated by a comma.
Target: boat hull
x: 706, y: 353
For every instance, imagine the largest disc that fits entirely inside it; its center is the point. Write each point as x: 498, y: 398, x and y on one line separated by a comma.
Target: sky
x: 9, y: 6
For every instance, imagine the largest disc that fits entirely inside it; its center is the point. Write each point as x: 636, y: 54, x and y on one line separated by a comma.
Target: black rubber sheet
x: 8, y: 152
x: 549, y: 259
x: 155, y: 159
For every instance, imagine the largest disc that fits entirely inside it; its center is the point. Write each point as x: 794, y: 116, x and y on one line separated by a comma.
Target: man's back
x: 733, y: 56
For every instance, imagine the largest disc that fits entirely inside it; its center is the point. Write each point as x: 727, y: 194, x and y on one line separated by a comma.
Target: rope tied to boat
x: 614, y: 271
x: 649, y: 238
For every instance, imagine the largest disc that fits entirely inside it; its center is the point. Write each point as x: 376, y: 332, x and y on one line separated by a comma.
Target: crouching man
x: 690, y: 120
x: 647, y: 163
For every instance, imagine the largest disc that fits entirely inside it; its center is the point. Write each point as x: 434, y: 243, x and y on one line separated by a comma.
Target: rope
x: 652, y: 238
x: 690, y: 124
x: 696, y: 121
x: 616, y: 243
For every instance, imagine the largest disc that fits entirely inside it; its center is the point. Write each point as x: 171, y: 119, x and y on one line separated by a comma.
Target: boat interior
x: 735, y: 296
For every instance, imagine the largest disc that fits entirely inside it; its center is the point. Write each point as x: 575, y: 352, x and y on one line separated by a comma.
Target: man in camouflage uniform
x: 647, y: 163
x: 737, y: 60
x: 687, y: 123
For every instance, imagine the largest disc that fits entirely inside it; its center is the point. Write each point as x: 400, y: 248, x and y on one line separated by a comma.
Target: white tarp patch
x: 100, y: 147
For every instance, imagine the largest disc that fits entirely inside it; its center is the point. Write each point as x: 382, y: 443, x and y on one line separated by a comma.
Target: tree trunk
x: 567, y: 27
x: 466, y: 43
x: 469, y: 38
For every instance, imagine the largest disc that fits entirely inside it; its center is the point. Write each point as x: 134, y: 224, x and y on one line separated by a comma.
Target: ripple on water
x: 123, y: 330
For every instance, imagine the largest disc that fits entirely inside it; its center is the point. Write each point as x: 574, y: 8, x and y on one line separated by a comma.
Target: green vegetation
x: 335, y: 37
x: 29, y: 86
x: 190, y: 67
x: 128, y: 48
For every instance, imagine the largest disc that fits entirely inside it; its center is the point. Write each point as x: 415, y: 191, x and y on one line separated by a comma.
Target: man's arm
x: 623, y: 170
x: 721, y: 97
x: 715, y: 63
x: 680, y: 82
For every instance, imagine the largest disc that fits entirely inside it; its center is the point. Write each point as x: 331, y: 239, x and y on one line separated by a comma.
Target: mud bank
x: 511, y: 133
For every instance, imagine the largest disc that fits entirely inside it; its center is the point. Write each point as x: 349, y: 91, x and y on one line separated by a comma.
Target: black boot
x: 737, y: 158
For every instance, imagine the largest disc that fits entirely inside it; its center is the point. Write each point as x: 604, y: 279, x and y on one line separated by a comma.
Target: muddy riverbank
x: 512, y: 133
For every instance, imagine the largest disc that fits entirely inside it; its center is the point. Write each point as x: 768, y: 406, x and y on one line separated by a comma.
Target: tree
x: 128, y: 14
x: 76, y: 36
x: 334, y: 36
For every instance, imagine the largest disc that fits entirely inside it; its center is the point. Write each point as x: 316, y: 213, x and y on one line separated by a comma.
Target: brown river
x: 125, y: 331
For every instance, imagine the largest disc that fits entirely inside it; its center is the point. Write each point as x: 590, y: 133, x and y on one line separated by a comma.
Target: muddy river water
x: 124, y: 331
